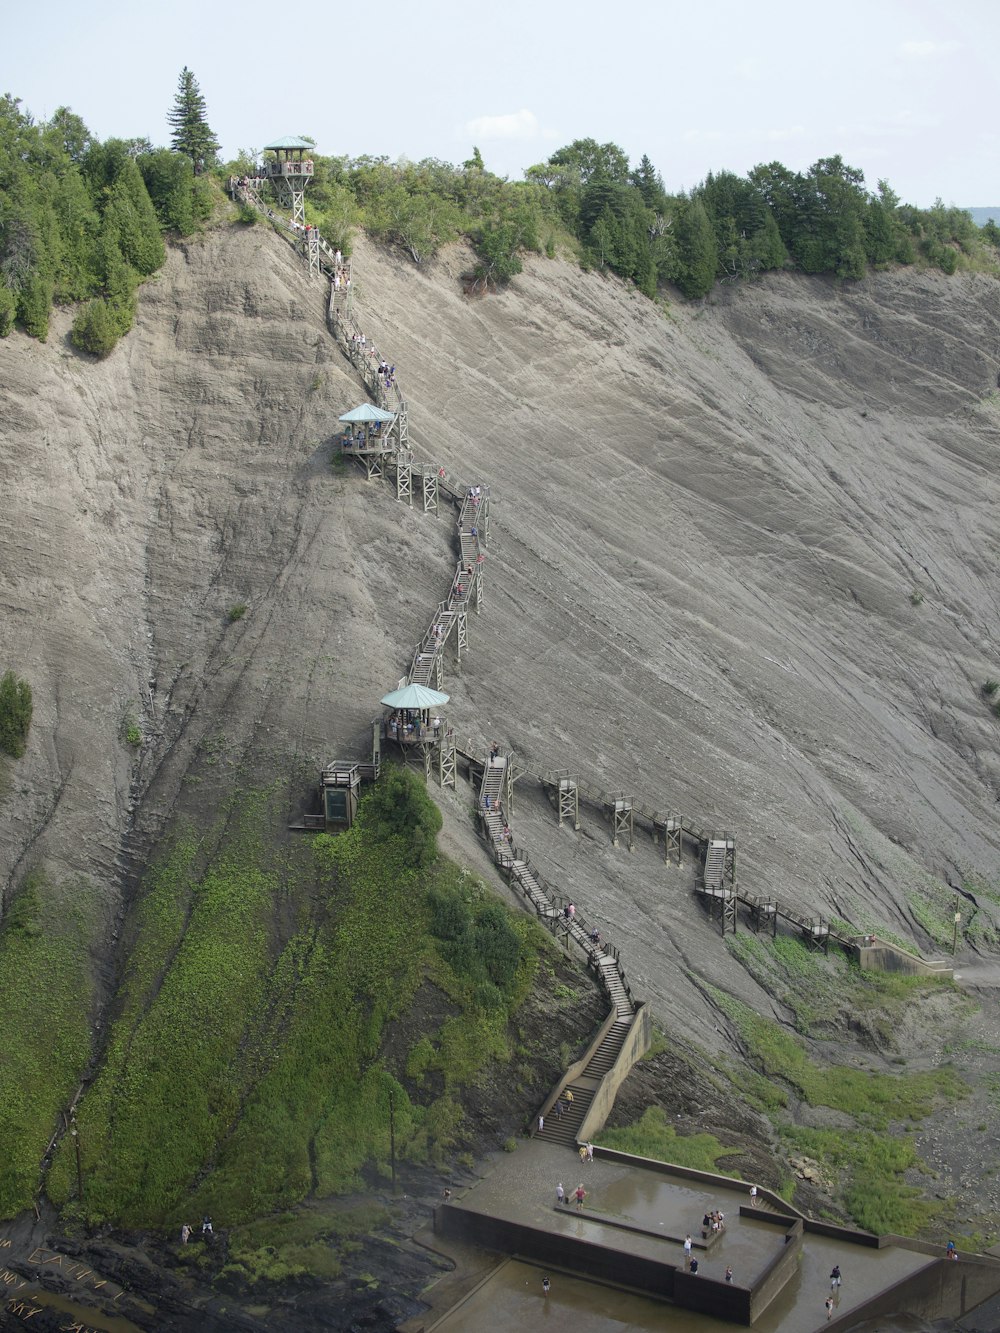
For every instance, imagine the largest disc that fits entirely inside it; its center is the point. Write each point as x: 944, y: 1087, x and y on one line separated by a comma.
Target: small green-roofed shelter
x: 414, y: 696
x: 407, y: 719
x: 367, y: 412
x: 289, y: 144
x: 368, y: 436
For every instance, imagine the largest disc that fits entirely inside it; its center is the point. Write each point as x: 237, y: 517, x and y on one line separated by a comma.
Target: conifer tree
x: 192, y: 134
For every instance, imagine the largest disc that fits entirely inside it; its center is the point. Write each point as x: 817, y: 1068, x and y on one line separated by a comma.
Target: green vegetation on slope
x: 867, y: 1158
x: 45, y: 998
x: 15, y: 714
x: 653, y: 1136
x: 873, y: 1099
x: 250, y: 1064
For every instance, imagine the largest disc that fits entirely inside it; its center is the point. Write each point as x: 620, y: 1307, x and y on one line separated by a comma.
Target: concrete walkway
x: 649, y: 1213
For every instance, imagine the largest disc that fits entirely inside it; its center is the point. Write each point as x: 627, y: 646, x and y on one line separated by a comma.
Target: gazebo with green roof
x: 289, y: 171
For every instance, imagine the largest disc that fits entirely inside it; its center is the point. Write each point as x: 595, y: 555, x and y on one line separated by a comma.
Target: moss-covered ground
x: 248, y: 1066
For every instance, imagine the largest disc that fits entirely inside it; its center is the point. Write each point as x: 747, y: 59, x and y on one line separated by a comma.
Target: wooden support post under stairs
x: 404, y: 476
x: 461, y: 632
x: 447, y: 762
x: 569, y: 802
x: 621, y: 814
x: 817, y: 935
x: 376, y: 744
x: 430, y: 478
x: 673, y: 837
x: 721, y: 903
x: 764, y: 915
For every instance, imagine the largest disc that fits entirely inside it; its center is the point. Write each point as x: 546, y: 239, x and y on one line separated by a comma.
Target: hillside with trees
x: 741, y: 566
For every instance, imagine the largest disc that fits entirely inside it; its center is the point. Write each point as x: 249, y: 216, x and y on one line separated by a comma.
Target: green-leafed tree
x: 696, y: 249
x: 191, y: 132
x: 15, y: 714
x: 169, y: 180
x: 131, y: 217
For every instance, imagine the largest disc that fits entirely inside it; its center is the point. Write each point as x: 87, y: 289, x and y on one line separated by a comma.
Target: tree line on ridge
x: 83, y: 222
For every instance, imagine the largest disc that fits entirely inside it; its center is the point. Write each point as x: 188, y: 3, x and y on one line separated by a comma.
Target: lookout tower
x: 290, y: 171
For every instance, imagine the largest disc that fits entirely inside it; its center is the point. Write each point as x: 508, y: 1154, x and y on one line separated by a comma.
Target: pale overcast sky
x: 903, y: 89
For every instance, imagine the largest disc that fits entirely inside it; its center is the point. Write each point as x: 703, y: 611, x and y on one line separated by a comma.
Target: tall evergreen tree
x: 192, y: 134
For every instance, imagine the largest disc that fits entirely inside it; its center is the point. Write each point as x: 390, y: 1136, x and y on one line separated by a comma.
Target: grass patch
x: 870, y: 1166
x: 45, y: 994
x: 653, y: 1136
x: 307, y: 1242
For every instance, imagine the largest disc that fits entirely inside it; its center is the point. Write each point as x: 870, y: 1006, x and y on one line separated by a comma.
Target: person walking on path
x: 694, y: 1265
x: 729, y: 1274
x: 687, y: 1247
x: 590, y: 1154
x: 579, y: 1194
x: 185, y: 1233
x: 560, y: 1193
x: 835, y: 1278
x: 583, y: 1154
x: 546, y: 1284
x: 829, y: 1308
x: 753, y: 1196
x: 541, y: 1124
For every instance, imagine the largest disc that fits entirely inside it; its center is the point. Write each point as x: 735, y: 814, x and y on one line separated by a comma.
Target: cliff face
x: 742, y: 565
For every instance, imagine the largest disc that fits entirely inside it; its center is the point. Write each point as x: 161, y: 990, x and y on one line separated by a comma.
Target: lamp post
x: 392, y: 1133
x: 75, y: 1133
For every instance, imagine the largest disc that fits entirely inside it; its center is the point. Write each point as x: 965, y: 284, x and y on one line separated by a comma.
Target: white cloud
x: 517, y: 125
x: 750, y: 69
x: 927, y: 50
x: 787, y: 134
x: 703, y: 136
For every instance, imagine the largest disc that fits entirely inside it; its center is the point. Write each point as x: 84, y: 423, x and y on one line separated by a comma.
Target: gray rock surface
x: 742, y: 565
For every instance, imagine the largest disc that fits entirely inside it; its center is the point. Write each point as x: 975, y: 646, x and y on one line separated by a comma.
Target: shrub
x: 237, y: 612
x: 990, y: 687
x: 15, y: 714
x: 95, y: 329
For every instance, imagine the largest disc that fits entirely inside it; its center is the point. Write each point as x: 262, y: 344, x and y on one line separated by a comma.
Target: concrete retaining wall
x: 597, y: 1262
x: 778, y: 1271
x: 880, y: 957
x: 635, y: 1045
x: 944, y: 1290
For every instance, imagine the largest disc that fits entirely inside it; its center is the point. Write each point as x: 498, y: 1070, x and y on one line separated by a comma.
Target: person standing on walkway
x: 590, y: 1154
x: 687, y: 1247
x: 185, y: 1233
x: 560, y: 1193
x: 753, y: 1196
x: 541, y: 1124
x: 829, y: 1308
x: 694, y: 1265
x: 835, y: 1278
x: 546, y: 1284
x: 729, y: 1274
x: 579, y: 1194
